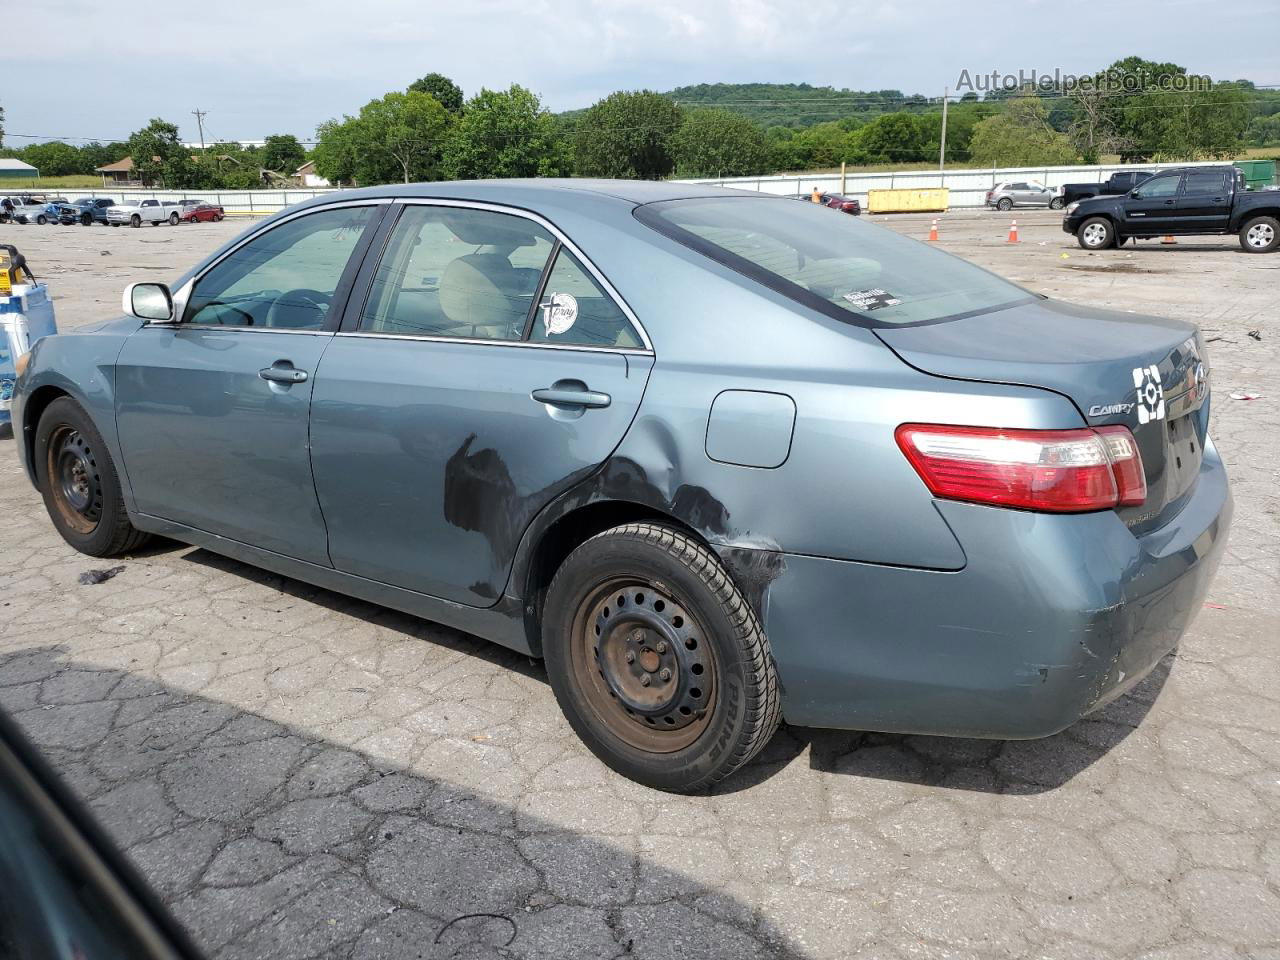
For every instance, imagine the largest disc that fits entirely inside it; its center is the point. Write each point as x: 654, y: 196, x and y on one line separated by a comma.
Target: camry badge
x: 1108, y: 409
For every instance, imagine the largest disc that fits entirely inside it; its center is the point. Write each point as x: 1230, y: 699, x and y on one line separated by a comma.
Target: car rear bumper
x: 1052, y: 617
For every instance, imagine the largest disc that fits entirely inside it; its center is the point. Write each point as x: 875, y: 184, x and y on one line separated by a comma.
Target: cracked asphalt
x: 304, y: 775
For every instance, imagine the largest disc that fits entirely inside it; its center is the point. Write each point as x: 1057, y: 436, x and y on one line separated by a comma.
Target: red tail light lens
x: 1058, y: 471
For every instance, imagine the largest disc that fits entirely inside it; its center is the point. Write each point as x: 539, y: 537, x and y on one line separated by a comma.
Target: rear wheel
x: 80, y: 485
x: 657, y: 660
x: 173, y: 219
x: 1056, y: 203
x: 1260, y: 235
x: 1096, y: 233
x: 1004, y: 203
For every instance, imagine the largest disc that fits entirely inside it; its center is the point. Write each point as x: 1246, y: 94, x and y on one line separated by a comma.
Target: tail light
x: 1057, y: 471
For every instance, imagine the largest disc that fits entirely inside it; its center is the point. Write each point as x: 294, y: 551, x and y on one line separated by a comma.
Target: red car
x: 840, y: 202
x: 194, y: 210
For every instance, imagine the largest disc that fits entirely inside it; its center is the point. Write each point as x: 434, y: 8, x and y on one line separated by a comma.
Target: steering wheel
x: 299, y: 309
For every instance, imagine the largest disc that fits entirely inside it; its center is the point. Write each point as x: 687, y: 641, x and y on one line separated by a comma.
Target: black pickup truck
x: 1114, y: 185
x: 1195, y: 200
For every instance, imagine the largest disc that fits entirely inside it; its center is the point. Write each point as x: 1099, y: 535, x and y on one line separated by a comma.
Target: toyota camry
x: 719, y: 458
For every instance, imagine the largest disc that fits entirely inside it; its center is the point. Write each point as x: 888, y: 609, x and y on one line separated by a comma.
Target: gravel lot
x: 303, y: 775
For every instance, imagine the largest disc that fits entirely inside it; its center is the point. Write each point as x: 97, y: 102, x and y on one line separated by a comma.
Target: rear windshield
x: 839, y: 264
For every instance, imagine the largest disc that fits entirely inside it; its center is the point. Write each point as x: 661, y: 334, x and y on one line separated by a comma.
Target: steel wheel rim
x: 75, y: 480
x: 1260, y: 234
x: 649, y: 636
x: 1095, y: 234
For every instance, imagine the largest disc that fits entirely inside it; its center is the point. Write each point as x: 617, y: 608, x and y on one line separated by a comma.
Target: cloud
x: 260, y: 67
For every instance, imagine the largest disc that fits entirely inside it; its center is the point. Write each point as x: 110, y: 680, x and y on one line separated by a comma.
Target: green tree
x: 399, y: 138
x: 442, y: 88
x: 95, y: 154
x: 627, y: 134
x: 158, y: 155
x: 1171, y: 125
x: 896, y: 138
x: 283, y: 153
x: 717, y: 143
x: 823, y: 145
x: 505, y: 133
x: 54, y: 159
x: 1020, y: 136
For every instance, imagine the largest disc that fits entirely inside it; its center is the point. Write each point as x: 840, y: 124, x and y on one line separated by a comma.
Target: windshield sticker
x: 871, y: 299
x: 1150, y: 393
x: 559, y: 313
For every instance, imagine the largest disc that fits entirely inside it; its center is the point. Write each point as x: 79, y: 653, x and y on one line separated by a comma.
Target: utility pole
x: 201, y: 114
x: 942, y: 151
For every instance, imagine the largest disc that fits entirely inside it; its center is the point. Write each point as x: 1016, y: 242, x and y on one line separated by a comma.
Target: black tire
x: 1056, y: 203
x: 1004, y: 203
x: 1096, y: 233
x: 714, y: 685
x: 173, y: 219
x: 1260, y: 235
x: 86, y: 220
x: 42, y: 220
x: 80, y: 485
x: 135, y: 221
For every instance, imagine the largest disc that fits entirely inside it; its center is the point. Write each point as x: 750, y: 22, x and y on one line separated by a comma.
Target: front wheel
x: 1056, y: 203
x: 42, y: 220
x: 86, y: 220
x: 1004, y: 203
x: 79, y: 483
x: 657, y: 660
x: 1096, y: 234
x: 135, y: 221
x: 1260, y: 235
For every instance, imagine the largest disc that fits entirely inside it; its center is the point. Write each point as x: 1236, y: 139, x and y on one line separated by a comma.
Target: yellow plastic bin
x: 933, y: 200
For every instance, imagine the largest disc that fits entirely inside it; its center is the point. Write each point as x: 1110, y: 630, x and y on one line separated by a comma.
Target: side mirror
x: 148, y: 301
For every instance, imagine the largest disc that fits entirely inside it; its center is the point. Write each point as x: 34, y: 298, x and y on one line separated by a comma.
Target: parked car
x: 85, y: 211
x: 1006, y: 196
x: 196, y: 210
x: 1195, y: 200
x: 1120, y: 182
x: 31, y: 210
x: 900, y: 493
x: 839, y: 201
x: 137, y: 212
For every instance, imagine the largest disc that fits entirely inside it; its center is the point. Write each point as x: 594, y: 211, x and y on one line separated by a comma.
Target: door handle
x: 1168, y: 203
x: 282, y: 372
x: 571, y: 398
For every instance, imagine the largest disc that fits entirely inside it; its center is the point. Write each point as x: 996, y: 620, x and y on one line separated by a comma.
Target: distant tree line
x: 431, y: 131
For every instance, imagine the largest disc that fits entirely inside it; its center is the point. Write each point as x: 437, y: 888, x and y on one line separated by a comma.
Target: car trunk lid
x: 1146, y: 373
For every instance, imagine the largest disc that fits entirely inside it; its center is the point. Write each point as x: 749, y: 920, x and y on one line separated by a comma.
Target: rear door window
x: 1212, y: 183
x: 458, y: 272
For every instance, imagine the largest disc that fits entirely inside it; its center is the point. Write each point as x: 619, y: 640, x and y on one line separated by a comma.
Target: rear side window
x: 841, y: 266
x: 591, y: 318
x: 1208, y: 183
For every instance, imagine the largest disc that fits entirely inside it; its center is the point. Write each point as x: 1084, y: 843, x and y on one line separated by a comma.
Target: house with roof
x: 119, y: 174
x: 306, y: 176
x: 13, y: 169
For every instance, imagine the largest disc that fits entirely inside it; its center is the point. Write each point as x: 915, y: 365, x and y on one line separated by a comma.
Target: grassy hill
x: 795, y: 104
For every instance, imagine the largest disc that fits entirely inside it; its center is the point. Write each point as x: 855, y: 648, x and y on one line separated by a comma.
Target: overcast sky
x: 97, y: 70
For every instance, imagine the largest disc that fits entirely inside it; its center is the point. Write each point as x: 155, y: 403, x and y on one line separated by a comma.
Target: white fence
x: 968, y: 187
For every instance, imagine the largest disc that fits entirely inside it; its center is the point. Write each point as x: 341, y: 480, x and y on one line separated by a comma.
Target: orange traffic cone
x: 1013, y: 231
x: 933, y: 231
x: 1168, y: 240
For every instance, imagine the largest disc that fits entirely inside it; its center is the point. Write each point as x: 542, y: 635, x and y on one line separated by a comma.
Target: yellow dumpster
x: 933, y: 200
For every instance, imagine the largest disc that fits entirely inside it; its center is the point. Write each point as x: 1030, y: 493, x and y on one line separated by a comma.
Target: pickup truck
x: 135, y: 212
x: 86, y: 211
x: 1188, y: 202
x: 1114, y: 185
